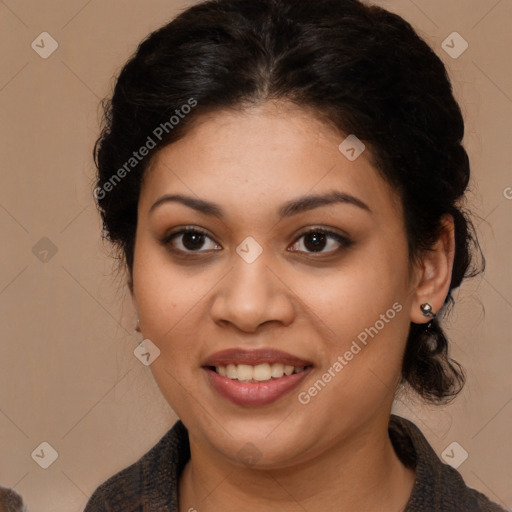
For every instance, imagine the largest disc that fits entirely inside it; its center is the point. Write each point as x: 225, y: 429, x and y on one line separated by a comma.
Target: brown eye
x: 317, y: 240
x: 189, y: 240
x: 192, y: 241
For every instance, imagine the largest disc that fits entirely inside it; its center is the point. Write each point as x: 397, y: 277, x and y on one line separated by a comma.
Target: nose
x: 252, y: 294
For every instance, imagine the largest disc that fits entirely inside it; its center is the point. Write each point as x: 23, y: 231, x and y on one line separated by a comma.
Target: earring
x: 427, y: 311
x: 137, y: 324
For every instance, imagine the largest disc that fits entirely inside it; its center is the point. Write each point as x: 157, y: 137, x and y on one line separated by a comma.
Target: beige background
x: 68, y: 375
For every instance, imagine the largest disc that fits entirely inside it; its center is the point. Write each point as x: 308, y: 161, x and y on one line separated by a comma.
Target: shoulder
x: 152, y: 478
x: 118, y: 491
x: 438, y: 486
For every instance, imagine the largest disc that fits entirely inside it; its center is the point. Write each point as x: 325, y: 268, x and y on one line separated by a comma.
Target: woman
x: 283, y: 179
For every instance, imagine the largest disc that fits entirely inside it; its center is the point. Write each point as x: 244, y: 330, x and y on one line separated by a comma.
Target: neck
x: 359, y: 473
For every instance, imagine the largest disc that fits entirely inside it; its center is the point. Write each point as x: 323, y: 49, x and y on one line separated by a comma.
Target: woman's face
x: 337, y: 300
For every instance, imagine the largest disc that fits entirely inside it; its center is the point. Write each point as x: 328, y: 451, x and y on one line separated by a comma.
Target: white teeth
x: 288, y: 370
x: 244, y: 372
x: 231, y: 372
x: 260, y: 372
x: 277, y: 370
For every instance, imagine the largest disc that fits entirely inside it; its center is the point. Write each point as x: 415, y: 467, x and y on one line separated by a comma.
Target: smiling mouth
x: 257, y: 373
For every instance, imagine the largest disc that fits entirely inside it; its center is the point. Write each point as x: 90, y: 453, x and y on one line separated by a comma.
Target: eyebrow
x: 293, y: 207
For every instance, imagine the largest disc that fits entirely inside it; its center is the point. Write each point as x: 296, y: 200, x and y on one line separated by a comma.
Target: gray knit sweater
x: 151, y: 483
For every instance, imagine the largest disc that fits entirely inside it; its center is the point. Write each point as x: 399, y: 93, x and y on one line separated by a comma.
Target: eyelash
x: 342, y: 240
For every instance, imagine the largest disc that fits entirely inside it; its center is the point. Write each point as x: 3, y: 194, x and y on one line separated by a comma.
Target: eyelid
x: 186, y: 229
x: 322, y: 229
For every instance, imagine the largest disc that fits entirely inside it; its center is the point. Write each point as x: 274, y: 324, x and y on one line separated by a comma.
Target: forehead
x: 262, y: 156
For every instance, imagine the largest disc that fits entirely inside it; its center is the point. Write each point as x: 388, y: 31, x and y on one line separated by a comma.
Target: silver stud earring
x: 427, y: 311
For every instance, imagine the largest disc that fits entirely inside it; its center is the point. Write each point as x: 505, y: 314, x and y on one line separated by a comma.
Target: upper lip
x: 253, y: 357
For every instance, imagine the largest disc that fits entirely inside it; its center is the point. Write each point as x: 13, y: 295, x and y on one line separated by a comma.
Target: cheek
x: 164, y: 292
x: 354, y: 296
x: 168, y: 315
x: 361, y: 368
x: 365, y: 305
x: 168, y: 303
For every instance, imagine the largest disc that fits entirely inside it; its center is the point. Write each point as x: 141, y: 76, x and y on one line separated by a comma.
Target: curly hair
x: 360, y: 68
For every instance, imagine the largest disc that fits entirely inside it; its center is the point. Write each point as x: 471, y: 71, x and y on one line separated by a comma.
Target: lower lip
x: 255, y: 393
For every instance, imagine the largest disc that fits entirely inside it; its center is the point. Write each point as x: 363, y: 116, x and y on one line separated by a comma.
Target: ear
x: 434, y: 273
x: 134, y: 302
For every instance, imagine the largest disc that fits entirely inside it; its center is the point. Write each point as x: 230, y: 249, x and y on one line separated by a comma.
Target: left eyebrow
x: 293, y: 207
x: 310, y: 202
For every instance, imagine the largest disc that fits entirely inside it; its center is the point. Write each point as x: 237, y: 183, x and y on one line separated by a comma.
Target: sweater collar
x: 437, y: 487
